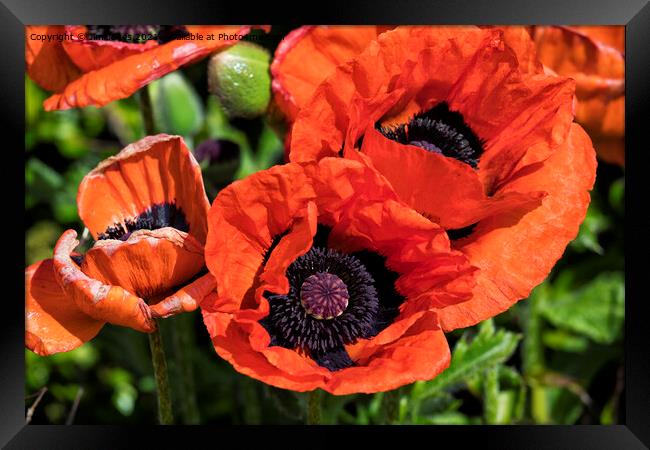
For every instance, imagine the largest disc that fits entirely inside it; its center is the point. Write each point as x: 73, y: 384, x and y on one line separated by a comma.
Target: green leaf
x: 594, y: 224
x: 177, y: 106
x: 485, y: 351
x: 565, y: 341
x: 41, y: 180
x: 596, y: 310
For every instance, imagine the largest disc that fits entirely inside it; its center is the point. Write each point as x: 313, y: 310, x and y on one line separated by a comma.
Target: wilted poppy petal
x: 100, y: 301
x: 47, y: 62
x: 125, y: 76
x: 157, y: 171
x: 324, y: 47
x: 514, y: 256
x: 148, y: 264
x: 53, y: 321
x: 185, y: 299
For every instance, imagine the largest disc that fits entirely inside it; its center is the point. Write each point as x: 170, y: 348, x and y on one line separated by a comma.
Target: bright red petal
x: 515, y: 256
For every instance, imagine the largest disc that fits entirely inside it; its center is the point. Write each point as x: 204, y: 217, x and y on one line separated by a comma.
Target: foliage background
x: 556, y: 357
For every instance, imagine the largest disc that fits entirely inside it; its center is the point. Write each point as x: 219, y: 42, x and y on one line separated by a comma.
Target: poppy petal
x: 92, y: 54
x: 443, y: 189
x: 421, y: 353
x: 515, y: 256
x: 100, y: 301
x: 148, y: 264
x: 47, y: 62
x: 124, y: 77
x: 156, y: 170
x: 186, y: 299
x: 598, y: 66
x: 246, y: 217
x: 325, y: 48
x: 53, y: 321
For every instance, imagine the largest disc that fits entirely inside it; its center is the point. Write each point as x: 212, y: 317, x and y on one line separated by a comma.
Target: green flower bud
x: 240, y: 78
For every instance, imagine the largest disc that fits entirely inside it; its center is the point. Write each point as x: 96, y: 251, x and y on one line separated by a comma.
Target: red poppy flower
x: 594, y: 57
x: 326, y: 280
x: 147, y: 209
x: 470, y: 132
x: 93, y: 66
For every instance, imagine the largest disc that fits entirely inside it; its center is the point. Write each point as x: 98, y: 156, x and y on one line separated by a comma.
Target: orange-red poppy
x: 147, y: 209
x: 472, y: 133
x: 594, y: 57
x: 91, y: 66
x: 326, y: 280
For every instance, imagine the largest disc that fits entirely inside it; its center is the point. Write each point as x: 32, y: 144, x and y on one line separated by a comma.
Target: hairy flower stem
x: 183, y: 343
x: 313, y: 407
x: 390, y: 406
x: 147, y: 111
x: 165, y: 415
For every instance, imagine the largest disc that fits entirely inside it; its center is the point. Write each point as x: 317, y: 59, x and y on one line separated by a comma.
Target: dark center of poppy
x: 156, y: 216
x: 439, y: 130
x: 324, y: 296
x: 136, y: 34
x: 333, y: 301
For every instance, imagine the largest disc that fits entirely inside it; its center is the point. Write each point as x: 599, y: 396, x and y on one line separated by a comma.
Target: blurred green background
x: 555, y: 358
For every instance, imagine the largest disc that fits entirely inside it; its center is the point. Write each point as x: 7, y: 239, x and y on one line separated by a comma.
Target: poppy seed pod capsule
x: 240, y: 79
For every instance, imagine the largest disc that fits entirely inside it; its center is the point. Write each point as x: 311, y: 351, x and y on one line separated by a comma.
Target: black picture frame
x: 634, y: 14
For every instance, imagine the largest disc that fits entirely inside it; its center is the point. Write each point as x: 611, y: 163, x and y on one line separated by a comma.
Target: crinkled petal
x: 447, y: 191
x: 324, y: 48
x: 53, y: 321
x: 100, y: 301
x: 149, y: 263
x: 186, y: 299
x: 514, y: 256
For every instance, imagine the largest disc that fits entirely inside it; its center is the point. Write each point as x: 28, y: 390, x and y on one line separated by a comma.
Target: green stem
x: 147, y: 111
x: 165, y: 415
x: 390, y: 406
x: 183, y: 343
x: 313, y: 408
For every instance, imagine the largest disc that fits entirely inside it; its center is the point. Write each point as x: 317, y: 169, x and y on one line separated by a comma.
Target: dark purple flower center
x: 156, y: 216
x: 324, y: 296
x: 334, y: 299
x: 439, y: 130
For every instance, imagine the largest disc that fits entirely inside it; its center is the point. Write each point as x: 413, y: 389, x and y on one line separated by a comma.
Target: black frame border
x: 634, y: 14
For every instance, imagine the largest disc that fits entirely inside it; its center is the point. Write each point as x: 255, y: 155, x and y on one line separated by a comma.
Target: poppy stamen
x: 157, y: 216
x: 439, y: 130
